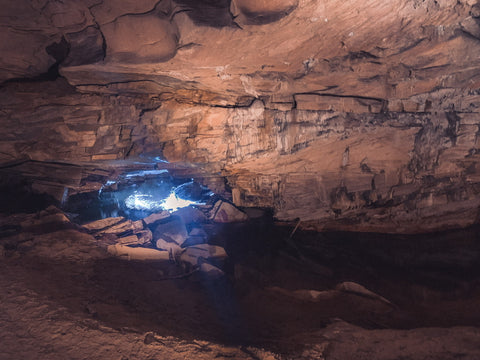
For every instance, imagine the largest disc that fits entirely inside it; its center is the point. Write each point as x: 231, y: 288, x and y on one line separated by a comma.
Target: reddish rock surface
x: 357, y: 116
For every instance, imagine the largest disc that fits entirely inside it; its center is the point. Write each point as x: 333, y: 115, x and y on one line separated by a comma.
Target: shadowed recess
x: 215, y: 13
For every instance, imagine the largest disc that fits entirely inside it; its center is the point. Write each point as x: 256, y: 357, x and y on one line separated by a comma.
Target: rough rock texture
x: 346, y: 115
x: 140, y: 39
x: 64, y: 297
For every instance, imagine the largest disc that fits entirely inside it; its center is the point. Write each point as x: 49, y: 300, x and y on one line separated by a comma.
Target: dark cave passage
x: 275, y: 282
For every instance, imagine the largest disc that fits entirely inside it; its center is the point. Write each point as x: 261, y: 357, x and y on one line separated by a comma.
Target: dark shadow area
x: 59, y: 51
x: 254, y: 18
x: 215, y: 13
x: 431, y: 280
x: 18, y: 197
x: 277, y: 282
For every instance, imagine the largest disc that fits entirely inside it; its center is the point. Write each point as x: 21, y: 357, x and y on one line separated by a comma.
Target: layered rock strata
x: 343, y: 115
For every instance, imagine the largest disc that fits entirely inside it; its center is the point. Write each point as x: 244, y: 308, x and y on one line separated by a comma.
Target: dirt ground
x: 64, y: 297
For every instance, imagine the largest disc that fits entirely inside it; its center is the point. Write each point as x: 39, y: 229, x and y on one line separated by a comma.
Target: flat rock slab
x: 173, y: 231
x: 171, y: 247
x: 211, y: 271
x: 194, y: 254
x: 151, y: 219
x: 354, y: 288
x: 128, y: 240
x: 224, y: 212
x: 190, y: 215
x: 103, y: 223
x: 114, y: 225
x: 144, y: 236
x: 138, y: 253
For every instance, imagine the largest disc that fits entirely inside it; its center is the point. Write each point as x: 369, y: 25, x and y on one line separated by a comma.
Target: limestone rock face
x: 256, y: 12
x: 107, y: 11
x: 140, y: 39
x: 345, y: 115
x: 265, y: 7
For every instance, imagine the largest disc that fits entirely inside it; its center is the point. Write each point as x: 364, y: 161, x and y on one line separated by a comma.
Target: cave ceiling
x: 223, y: 51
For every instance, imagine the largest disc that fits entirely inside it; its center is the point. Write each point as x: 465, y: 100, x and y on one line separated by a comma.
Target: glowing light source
x: 143, y: 173
x: 142, y: 202
x: 173, y: 203
x: 149, y: 203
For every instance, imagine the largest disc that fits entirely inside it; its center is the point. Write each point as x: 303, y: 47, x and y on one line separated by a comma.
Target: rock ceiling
x: 343, y: 114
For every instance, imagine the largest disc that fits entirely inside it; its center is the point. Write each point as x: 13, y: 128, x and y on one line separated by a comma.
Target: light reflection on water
x: 136, y: 195
x: 147, y: 202
x: 143, y: 173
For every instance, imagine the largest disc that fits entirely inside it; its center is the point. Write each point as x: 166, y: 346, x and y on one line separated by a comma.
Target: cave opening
x: 136, y: 195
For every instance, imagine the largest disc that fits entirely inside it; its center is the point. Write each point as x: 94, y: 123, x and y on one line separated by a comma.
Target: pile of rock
x: 180, y: 237
x: 48, y: 234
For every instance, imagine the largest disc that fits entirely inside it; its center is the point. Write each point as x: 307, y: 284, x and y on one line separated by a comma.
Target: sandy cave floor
x: 64, y: 297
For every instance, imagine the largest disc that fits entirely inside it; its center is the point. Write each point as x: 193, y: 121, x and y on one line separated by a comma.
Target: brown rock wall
x: 369, y: 171
x: 50, y: 121
x: 344, y: 115
x: 140, y: 39
x: 362, y: 170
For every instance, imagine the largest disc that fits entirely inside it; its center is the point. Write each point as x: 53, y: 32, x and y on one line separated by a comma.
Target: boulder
x: 151, y: 219
x: 305, y: 294
x: 116, y: 225
x: 51, y: 215
x: 123, y: 227
x: 195, y: 236
x: 128, y: 240
x: 195, y: 254
x: 208, y: 251
x: 172, y: 247
x: 137, y: 253
x: 144, y: 236
x: 198, y: 231
x: 354, y: 288
x: 120, y: 230
x: 173, y: 231
x: 224, y: 212
x: 190, y: 215
x: 140, y: 39
x: 101, y: 224
x: 211, y: 271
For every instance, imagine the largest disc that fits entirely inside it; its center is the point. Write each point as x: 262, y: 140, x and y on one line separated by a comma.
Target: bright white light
x: 159, y: 159
x: 146, y: 172
x: 142, y: 202
x: 146, y: 202
x: 173, y: 203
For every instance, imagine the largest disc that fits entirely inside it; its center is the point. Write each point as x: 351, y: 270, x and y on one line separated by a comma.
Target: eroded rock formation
x: 345, y: 115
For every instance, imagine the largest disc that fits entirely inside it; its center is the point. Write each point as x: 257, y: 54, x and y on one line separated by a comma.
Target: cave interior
x: 239, y: 179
